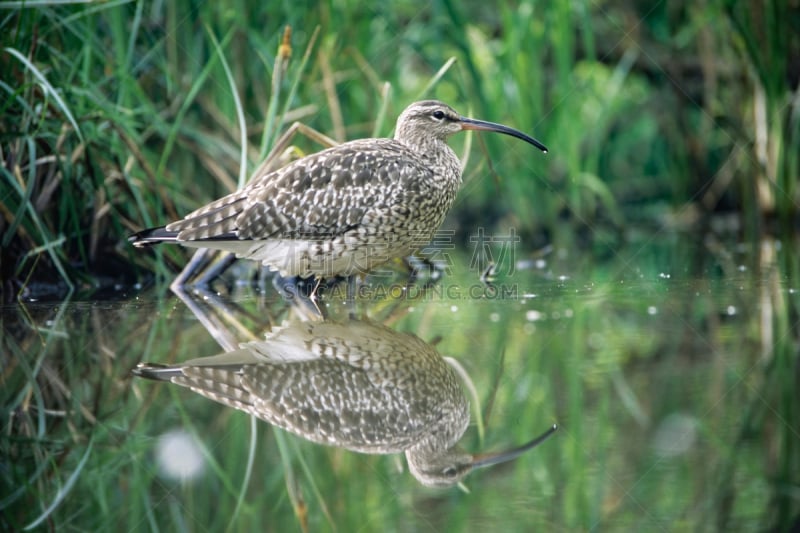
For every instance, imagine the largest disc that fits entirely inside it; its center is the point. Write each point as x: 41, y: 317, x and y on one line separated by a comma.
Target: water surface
x: 670, y: 369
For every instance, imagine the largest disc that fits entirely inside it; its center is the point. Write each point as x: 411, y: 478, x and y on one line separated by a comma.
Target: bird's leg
x: 197, y: 272
x: 198, y: 261
x: 204, y: 311
x: 352, y: 290
x: 412, y: 263
x: 300, y: 293
x: 416, y: 264
x: 352, y: 287
x: 202, y: 269
x: 317, y: 283
x: 488, y: 275
x: 215, y: 269
x: 292, y: 287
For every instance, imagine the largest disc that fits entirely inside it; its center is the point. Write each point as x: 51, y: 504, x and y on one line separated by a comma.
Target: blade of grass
x: 380, y: 118
x: 64, y: 491
x: 48, y: 88
x: 41, y: 3
x: 190, y: 426
x: 26, y: 199
x: 314, y: 487
x: 473, y: 393
x: 288, y: 472
x: 278, y: 70
x: 298, y: 76
x: 15, y: 98
x: 49, y: 245
x: 239, y: 110
x: 186, y: 104
x: 436, y: 77
x: 248, y: 472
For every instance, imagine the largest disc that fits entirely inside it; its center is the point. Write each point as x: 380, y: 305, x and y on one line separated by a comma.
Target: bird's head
x: 437, y: 120
x: 449, y: 467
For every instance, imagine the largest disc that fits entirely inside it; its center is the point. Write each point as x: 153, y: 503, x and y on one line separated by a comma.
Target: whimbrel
x: 344, y: 210
x: 358, y: 385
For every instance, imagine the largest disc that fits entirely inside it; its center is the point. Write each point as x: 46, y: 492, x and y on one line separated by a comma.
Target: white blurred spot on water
x: 675, y: 435
x: 533, y: 315
x: 178, y: 456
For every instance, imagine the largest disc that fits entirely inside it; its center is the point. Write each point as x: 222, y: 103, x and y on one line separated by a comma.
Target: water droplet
x: 533, y: 315
x: 652, y: 310
x: 731, y: 310
x: 454, y: 308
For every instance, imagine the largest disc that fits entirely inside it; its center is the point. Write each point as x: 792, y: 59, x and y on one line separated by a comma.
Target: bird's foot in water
x: 305, y: 293
x: 422, y: 267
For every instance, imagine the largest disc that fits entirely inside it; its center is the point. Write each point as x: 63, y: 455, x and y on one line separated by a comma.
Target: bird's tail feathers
x: 153, y: 236
x: 156, y: 372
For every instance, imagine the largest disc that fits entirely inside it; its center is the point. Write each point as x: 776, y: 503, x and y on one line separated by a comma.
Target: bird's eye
x: 449, y: 471
x: 438, y: 115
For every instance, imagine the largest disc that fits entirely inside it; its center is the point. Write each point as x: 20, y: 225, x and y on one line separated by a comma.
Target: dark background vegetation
x: 119, y: 115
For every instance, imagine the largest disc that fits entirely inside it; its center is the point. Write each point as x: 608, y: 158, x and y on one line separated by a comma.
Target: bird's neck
x: 436, y: 152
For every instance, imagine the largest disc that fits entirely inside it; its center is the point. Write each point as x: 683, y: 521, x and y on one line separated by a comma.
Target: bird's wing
x: 321, y: 195
x: 330, y: 402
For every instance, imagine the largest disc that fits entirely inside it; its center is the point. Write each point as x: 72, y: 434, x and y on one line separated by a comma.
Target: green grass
x: 116, y: 116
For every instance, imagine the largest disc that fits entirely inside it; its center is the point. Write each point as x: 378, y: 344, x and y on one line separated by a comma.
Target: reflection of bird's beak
x: 479, y: 461
x: 474, y: 124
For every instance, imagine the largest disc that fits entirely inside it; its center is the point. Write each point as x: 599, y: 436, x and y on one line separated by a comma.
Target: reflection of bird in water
x: 359, y: 386
x: 344, y: 210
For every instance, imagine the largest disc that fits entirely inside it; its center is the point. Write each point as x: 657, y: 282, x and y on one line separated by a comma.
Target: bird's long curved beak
x: 475, y: 124
x: 479, y: 461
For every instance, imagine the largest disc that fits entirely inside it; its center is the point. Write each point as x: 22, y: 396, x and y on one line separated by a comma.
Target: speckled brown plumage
x: 344, y: 210
x: 359, y: 386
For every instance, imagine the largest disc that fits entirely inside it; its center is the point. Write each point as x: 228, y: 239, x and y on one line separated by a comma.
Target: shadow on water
x: 675, y: 389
